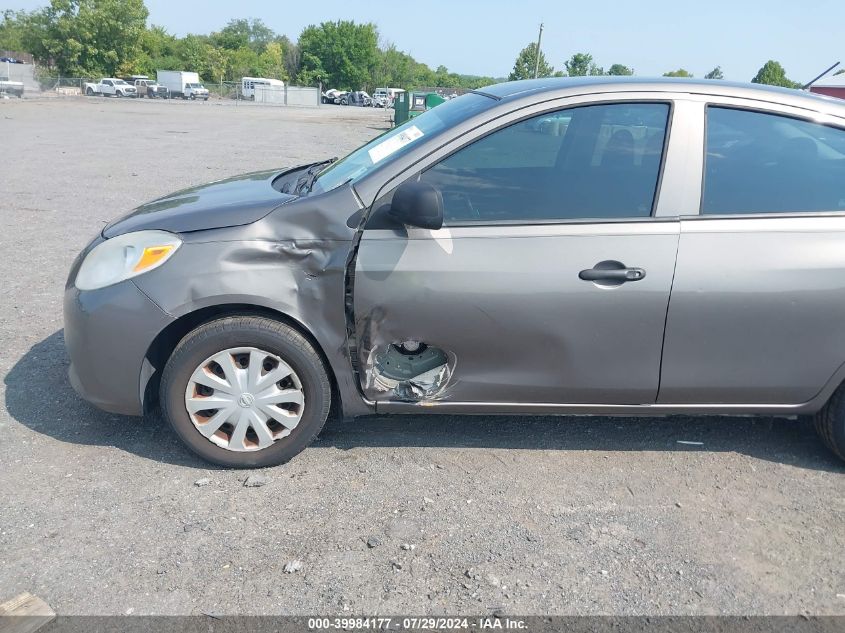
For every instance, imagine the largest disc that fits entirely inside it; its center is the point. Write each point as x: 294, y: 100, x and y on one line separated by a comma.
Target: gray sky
x: 484, y: 37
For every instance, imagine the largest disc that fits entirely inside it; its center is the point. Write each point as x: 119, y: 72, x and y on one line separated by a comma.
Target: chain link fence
x: 302, y: 96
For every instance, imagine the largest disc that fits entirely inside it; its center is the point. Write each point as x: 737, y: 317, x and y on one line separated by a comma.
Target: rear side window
x: 590, y: 162
x: 767, y: 163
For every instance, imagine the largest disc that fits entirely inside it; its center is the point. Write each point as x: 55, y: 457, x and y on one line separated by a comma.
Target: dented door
x: 550, y: 280
x: 511, y: 314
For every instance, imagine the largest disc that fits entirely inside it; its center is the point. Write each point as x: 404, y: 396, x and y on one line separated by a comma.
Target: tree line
x: 91, y: 38
x: 88, y: 38
x: 583, y: 64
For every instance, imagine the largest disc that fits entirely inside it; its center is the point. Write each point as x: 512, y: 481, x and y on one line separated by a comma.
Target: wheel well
x: 163, y: 345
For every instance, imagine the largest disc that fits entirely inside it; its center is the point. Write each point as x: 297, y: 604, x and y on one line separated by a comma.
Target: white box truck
x: 182, y: 84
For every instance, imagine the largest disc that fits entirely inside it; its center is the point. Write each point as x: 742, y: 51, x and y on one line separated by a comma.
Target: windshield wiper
x: 307, y: 180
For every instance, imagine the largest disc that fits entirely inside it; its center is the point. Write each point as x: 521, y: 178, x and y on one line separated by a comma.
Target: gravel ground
x: 103, y: 514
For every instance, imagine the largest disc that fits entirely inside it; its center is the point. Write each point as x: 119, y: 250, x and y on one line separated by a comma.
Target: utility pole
x: 537, y: 60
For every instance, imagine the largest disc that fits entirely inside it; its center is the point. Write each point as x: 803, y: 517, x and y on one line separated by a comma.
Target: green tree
x: 393, y: 68
x: 312, y: 72
x: 13, y: 30
x: 526, y: 61
x: 252, y: 33
x: 243, y: 62
x: 620, y: 70
x: 473, y: 82
x: 678, y: 73
x: 716, y: 73
x: 773, y: 74
x: 88, y: 37
x: 273, y: 61
x: 291, y: 55
x: 347, y: 53
x: 581, y: 65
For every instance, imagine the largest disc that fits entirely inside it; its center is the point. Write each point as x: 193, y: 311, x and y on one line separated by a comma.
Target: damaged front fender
x: 292, y: 262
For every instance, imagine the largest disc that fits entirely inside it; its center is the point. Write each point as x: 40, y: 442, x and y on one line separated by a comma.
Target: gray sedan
x: 557, y: 246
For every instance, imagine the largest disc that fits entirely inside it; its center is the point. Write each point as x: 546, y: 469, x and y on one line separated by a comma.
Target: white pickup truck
x: 110, y: 87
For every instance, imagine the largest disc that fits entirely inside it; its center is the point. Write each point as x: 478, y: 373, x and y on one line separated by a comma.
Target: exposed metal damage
x: 410, y: 370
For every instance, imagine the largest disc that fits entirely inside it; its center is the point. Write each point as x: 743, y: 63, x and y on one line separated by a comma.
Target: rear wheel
x: 245, y: 392
x: 89, y: 92
x: 830, y: 423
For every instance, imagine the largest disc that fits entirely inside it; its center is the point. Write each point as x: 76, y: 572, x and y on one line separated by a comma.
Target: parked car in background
x: 340, y: 97
x: 470, y: 261
x: 329, y: 95
x: 184, y: 84
x: 110, y: 87
x: 390, y: 93
x: 358, y: 98
x: 150, y: 88
x: 11, y: 87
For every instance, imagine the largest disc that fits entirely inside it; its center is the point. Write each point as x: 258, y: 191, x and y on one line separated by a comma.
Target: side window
x: 758, y: 162
x: 588, y: 162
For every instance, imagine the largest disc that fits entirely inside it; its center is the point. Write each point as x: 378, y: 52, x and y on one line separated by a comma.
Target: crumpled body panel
x: 292, y: 261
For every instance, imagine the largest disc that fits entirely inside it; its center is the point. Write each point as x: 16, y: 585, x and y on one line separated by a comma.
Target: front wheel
x: 830, y: 423
x: 245, y: 392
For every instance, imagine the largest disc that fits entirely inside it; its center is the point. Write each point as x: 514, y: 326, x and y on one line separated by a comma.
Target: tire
x: 118, y: 94
x: 193, y: 97
x: 269, y: 336
x: 89, y: 92
x: 830, y: 423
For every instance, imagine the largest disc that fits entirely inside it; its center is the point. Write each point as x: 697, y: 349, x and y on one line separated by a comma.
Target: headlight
x: 124, y: 257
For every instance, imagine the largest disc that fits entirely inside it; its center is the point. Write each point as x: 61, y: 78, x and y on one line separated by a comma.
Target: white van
x: 248, y: 85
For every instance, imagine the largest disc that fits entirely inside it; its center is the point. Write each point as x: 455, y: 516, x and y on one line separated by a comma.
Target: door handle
x: 618, y: 275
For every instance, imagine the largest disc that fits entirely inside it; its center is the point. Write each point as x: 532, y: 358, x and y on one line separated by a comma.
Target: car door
x: 108, y: 88
x: 758, y: 300
x: 549, y: 281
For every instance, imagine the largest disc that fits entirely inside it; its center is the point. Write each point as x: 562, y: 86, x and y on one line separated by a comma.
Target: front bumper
x: 107, y: 333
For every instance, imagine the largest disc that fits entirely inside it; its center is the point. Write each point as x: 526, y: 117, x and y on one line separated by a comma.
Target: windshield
x: 399, y: 140
x: 119, y: 82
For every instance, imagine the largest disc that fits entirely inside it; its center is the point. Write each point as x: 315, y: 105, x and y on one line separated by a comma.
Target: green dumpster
x: 400, y: 108
x: 407, y: 105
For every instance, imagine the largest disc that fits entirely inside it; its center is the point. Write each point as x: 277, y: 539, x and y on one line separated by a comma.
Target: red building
x: 831, y: 86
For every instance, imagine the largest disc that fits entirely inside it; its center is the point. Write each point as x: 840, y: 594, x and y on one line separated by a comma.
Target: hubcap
x: 244, y: 399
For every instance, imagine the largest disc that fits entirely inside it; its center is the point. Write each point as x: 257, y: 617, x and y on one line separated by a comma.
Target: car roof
x: 562, y: 86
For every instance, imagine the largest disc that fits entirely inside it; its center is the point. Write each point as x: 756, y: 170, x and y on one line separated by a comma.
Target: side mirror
x: 419, y: 204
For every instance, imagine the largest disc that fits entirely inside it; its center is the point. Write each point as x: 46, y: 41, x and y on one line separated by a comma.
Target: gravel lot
x: 102, y: 514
